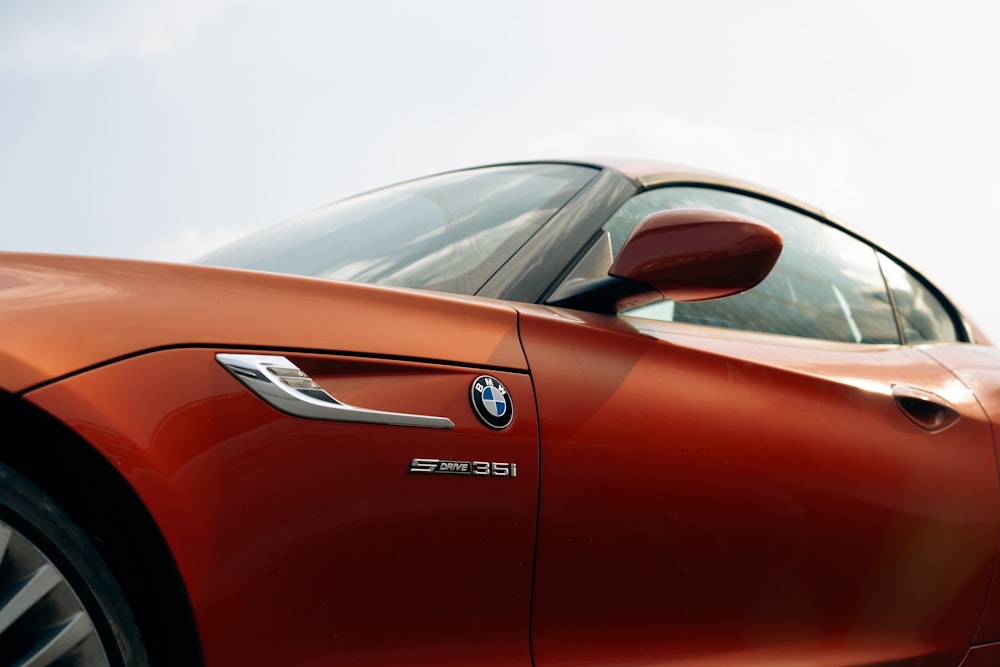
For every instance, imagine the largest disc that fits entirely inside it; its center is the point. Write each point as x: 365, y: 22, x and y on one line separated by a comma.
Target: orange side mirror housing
x: 684, y: 255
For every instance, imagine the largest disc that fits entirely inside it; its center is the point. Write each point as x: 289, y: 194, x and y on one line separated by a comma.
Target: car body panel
x: 676, y: 524
x: 978, y: 366
x: 313, y: 534
x: 652, y: 173
x: 986, y: 655
x: 685, y: 494
x: 128, y: 307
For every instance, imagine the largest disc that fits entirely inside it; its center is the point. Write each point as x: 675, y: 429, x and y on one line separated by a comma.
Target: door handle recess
x: 928, y: 411
x: 284, y: 386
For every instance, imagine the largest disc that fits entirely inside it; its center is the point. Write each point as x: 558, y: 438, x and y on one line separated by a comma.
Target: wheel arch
x: 123, y: 531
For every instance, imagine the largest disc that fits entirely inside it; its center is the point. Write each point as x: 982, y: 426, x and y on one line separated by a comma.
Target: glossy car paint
x: 978, y: 367
x: 688, y: 495
x: 266, y: 511
x: 313, y: 534
x: 128, y: 307
x: 698, y: 255
x: 829, y: 534
x: 986, y: 655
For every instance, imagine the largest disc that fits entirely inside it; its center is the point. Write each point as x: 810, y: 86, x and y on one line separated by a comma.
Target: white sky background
x: 161, y: 129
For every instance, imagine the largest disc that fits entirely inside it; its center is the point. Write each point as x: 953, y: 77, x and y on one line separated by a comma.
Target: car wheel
x: 58, y: 600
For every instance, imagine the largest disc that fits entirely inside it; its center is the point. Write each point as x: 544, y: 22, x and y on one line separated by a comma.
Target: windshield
x: 449, y: 232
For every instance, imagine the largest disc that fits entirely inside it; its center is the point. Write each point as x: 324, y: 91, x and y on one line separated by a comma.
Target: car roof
x: 653, y: 173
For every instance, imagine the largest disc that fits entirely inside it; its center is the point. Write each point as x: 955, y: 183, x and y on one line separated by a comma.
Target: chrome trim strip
x: 284, y: 386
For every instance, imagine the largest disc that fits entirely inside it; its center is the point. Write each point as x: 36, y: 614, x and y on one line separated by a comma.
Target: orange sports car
x: 543, y: 414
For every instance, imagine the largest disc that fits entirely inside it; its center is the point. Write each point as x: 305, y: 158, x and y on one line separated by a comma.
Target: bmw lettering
x: 491, y: 402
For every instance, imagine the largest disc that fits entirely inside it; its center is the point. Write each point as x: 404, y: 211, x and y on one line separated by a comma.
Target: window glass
x: 826, y: 284
x: 449, y: 232
x: 924, y: 319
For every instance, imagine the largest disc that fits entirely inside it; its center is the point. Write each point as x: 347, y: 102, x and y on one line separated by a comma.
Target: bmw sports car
x: 527, y: 415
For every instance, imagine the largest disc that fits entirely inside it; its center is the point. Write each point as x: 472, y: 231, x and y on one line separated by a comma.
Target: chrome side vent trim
x: 285, y: 387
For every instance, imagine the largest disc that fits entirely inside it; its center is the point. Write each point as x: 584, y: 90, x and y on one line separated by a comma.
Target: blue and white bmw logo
x: 491, y: 402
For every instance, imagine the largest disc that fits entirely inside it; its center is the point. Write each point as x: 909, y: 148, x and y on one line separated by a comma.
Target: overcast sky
x: 161, y: 129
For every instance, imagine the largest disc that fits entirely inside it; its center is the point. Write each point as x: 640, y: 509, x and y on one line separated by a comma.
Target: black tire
x: 59, y: 603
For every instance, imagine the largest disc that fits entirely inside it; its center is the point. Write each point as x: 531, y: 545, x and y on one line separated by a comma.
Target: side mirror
x: 684, y: 255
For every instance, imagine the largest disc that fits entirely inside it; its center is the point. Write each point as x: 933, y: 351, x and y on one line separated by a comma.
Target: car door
x: 811, y: 492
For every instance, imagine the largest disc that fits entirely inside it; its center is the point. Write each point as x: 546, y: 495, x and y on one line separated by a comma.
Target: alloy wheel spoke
x: 4, y: 540
x: 42, y: 620
x: 65, y: 640
x: 33, y: 589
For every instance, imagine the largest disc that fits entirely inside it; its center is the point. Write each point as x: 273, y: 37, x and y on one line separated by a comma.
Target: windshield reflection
x: 449, y: 232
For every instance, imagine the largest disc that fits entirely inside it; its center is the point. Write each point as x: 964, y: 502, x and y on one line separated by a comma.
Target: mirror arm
x: 608, y: 294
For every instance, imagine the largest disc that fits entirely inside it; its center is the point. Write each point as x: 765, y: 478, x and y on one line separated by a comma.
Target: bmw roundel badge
x: 491, y: 402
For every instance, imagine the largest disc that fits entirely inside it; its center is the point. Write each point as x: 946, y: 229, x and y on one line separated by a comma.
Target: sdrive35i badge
x: 491, y: 402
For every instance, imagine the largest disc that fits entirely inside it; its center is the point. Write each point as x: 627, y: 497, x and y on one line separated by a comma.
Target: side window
x: 826, y: 284
x: 923, y: 317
